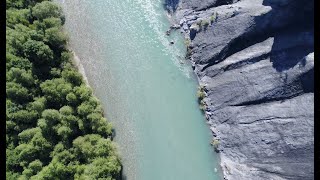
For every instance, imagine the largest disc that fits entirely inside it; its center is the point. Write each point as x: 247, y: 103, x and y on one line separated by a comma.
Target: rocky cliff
x: 255, y: 60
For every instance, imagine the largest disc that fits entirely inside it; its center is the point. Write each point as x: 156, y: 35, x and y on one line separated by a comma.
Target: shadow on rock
x: 171, y: 5
x: 296, y: 40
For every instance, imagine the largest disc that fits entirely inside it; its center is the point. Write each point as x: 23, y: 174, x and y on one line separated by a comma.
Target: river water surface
x: 146, y: 87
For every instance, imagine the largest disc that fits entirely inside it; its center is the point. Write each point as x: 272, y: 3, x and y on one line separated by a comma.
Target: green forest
x: 55, y: 127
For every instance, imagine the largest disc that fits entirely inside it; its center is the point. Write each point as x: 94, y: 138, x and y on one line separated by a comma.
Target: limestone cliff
x: 255, y: 60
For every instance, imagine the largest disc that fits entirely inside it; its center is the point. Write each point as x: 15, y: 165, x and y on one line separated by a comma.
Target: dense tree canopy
x: 55, y: 127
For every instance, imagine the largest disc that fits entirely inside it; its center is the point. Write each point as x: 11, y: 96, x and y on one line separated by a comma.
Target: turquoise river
x: 145, y: 85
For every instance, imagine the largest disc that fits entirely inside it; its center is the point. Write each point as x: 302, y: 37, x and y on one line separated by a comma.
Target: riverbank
x: 258, y: 82
x: 223, y: 161
x: 55, y: 125
x: 77, y: 63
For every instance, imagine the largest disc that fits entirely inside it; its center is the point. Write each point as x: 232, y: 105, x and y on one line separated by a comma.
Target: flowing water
x: 146, y: 87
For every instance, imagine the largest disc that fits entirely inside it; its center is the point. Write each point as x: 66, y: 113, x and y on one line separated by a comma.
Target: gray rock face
x: 255, y: 60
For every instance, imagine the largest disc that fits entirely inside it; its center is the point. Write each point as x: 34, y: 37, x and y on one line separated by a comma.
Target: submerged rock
x: 257, y: 62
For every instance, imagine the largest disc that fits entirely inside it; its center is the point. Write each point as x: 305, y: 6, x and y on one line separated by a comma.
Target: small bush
x: 204, y: 23
x: 202, y: 106
x: 213, y: 17
x: 195, y: 27
x: 187, y: 42
x: 215, y: 143
x: 201, y: 94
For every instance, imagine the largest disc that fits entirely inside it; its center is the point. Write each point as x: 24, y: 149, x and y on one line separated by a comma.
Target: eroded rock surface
x: 255, y: 60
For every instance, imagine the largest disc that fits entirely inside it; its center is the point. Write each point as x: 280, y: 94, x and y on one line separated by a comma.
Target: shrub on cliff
x: 200, y: 93
x: 213, y: 17
x: 204, y: 23
x: 215, y: 143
